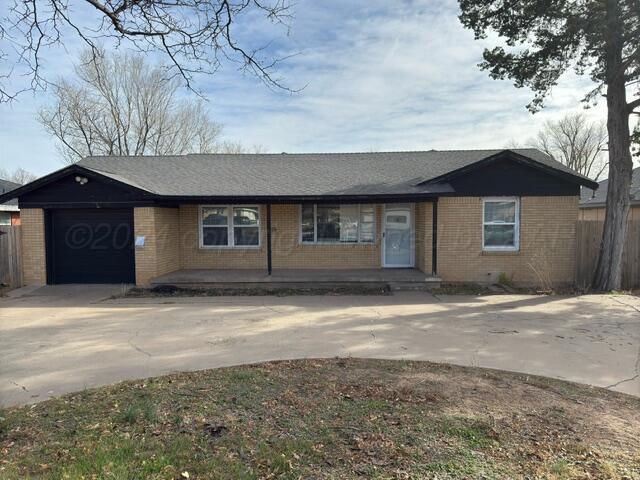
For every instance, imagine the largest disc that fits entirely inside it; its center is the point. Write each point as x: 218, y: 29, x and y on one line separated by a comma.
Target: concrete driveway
x: 61, y: 339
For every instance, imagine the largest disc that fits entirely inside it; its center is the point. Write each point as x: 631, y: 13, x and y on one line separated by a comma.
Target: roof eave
x: 297, y: 198
x: 52, y: 177
x: 522, y: 159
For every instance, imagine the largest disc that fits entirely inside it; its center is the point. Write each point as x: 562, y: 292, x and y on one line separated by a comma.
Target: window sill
x: 336, y: 244
x: 500, y: 252
x: 256, y: 247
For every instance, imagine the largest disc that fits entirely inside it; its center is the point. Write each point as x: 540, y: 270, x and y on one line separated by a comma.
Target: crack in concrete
x: 626, y: 304
x: 626, y: 380
x: 271, y: 309
x: 136, y: 347
x: 19, y: 386
x: 484, y: 341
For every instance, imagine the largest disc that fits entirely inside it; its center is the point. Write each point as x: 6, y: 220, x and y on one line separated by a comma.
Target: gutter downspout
x: 434, y: 239
x: 269, y: 266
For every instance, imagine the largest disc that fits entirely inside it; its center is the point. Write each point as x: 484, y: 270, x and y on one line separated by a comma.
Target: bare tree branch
x: 194, y: 35
x: 575, y: 142
x: 631, y: 106
x: 120, y: 105
x: 19, y: 176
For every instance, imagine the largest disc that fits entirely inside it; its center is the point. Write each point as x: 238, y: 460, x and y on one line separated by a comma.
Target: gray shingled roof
x: 589, y: 198
x: 7, y: 186
x: 294, y: 174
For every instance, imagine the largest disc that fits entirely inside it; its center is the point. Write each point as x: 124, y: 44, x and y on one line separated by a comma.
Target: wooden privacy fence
x: 10, y: 256
x: 588, y: 237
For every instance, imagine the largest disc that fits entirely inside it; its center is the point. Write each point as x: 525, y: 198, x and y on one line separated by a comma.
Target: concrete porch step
x: 393, y: 279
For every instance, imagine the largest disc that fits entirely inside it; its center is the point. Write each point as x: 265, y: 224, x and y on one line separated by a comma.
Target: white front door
x: 397, y: 244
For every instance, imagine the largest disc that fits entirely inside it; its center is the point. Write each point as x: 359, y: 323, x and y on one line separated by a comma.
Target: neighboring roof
x: 598, y: 198
x: 7, y: 186
x: 302, y: 175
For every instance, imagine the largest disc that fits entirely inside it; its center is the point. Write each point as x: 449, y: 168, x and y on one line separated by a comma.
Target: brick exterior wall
x: 195, y: 257
x: 547, y: 242
x: 288, y: 252
x: 161, y: 252
x: 424, y: 236
x: 34, y: 264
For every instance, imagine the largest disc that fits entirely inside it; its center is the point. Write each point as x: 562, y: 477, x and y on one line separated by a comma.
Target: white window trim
x: 230, y: 237
x: 315, y: 228
x: 516, y: 242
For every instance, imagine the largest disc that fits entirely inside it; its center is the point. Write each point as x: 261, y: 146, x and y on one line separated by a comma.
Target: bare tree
x: 576, y: 142
x: 193, y: 35
x: 238, y: 147
x: 119, y: 104
x: 19, y: 175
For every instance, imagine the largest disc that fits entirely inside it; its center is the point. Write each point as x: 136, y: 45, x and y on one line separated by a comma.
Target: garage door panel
x: 91, y: 246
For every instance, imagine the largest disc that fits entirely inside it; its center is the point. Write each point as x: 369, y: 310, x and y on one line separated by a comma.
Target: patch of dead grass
x: 341, y: 418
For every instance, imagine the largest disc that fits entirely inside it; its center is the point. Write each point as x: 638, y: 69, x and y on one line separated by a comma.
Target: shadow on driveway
x: 66, y: 338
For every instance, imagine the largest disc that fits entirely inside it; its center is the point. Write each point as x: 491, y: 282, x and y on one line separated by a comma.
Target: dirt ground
x: 340, y: 418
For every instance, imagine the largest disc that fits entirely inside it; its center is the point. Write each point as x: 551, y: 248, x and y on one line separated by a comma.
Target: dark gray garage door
x: 90, y: 246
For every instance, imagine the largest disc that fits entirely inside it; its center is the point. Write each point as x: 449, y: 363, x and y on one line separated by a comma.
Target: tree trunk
x: 608, y: 275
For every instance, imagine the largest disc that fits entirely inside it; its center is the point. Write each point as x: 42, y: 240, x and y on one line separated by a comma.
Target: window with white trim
x: 229, y: 226
x: 345, y: 223
x: 501, y: 224
x: 5, y: 218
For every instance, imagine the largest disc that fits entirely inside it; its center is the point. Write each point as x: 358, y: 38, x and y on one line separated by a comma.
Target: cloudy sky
x: 378, y: 75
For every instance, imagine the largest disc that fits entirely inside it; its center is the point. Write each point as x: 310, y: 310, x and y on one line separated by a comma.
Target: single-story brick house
x: 137, y: 219
x: 593, y: 202
x: 9, y: 211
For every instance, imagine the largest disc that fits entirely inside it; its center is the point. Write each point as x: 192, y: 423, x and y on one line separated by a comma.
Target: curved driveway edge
x: 61, y: 339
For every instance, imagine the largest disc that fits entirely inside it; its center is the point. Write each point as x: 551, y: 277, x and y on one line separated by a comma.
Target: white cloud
x: 402, y: 79
x: 379, y: 76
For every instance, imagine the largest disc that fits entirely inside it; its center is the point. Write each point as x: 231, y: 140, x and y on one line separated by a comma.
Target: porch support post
x: 434, y: 239
x: 268, y: 239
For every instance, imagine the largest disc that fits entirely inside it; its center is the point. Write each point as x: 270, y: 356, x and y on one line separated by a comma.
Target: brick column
x: 161, y: 253
x: 34, y: 266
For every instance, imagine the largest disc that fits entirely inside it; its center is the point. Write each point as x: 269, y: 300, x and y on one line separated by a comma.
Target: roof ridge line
x: 381, y: 152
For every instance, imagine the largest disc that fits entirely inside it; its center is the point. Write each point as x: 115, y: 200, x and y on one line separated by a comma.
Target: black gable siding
x: 508, y: 178
x: 67, y: 192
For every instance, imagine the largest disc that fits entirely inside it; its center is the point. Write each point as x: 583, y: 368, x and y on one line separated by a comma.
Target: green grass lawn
x: 327, y: 419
